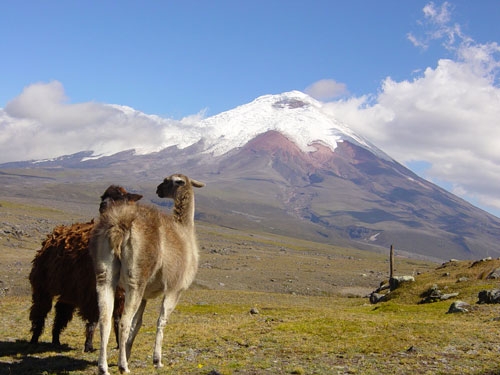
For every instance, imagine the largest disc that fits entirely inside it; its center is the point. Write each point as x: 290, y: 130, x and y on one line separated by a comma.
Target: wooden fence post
x: 391, y: 263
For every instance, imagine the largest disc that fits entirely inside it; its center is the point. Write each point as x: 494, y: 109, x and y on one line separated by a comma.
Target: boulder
x: 495, y: 274
x: 433, y: 294
x: 396, y: 281
x: 377, y: 297
x: 489, y: 296
x: 459, y: 307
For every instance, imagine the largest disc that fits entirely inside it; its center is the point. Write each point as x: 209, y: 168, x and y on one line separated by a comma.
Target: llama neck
x: 184, y: 208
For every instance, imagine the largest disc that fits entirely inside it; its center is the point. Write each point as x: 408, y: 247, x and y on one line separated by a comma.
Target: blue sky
x: 175, y: 58
x: 418, y: 78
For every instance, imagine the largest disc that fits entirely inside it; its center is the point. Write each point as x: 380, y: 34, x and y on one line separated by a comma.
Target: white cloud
x: 326, y: 89
x: 436, y: 26
x: 448, y: 116
x: 40, y: 123
x: 438, y: 15
x: 46, y: 104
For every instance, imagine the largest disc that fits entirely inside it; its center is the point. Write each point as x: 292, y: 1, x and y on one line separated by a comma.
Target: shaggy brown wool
x: 63, y: 267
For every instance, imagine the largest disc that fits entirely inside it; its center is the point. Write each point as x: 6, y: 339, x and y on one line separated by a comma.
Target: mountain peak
x: 300, y: 118
x: 289, y: 100
x: 296, y: 115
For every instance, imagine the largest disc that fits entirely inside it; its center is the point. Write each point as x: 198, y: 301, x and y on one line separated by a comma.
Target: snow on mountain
x: 294, y: 114
x: 110, y: 129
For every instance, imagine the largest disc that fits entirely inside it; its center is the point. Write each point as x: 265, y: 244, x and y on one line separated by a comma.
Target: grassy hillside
x: 313, y: 315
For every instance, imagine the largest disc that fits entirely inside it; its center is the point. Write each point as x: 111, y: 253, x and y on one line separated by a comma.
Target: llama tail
x: 107, y: 238
x: 113, y: 229
x: 117, y: 237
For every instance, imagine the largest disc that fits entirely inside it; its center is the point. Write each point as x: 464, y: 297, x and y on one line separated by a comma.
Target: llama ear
x: 179, y: 182
x: 197, y: 184
x: 133, y: 197
x: 176, y: 180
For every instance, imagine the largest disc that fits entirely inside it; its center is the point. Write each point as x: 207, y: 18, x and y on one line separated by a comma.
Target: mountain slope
x: 280, y: 164
x: 350, y: 193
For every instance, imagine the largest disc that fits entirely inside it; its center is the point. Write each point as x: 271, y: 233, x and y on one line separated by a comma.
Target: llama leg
x: 168, y: 305
x: 116, y: 328
x: 64, y: 314
x: 136, y: 325
x: 42, y: 303
x: 133, y: 299
x: 105, y: 298
x: 117, y: 313
x: 105, y: 314
x: 89, y: 336
x: 106, y: 281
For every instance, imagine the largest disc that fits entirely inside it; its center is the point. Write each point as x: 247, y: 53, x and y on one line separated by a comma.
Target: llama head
x: 116, y: 194
x: 171, y: 185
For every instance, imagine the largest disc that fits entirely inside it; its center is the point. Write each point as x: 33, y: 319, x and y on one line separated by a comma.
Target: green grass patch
x: 303, y: 324
x: 289, y: 335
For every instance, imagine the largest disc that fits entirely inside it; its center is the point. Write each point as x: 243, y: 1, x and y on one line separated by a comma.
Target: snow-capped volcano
x: 106, y: 129
x: 281, y: 163
x: 294, y: 114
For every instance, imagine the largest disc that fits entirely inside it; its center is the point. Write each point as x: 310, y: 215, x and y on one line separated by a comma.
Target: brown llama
x: 148, y: 254
x: 63, y: 267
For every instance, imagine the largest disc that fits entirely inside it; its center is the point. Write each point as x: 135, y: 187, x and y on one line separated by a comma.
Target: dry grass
x: 312, y: 318
x: 214, y: 332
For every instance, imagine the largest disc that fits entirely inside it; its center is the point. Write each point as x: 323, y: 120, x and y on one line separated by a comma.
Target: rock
x: 489, y: 296
x: 444, y: 297
x: 412, y: 349
x: 433, y: 294
x: 495, y: 274
x: 382, y: 286
x: 459, y: 307
x: 487, y: 259
x: 396, y: 281
x: 377, y: 297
